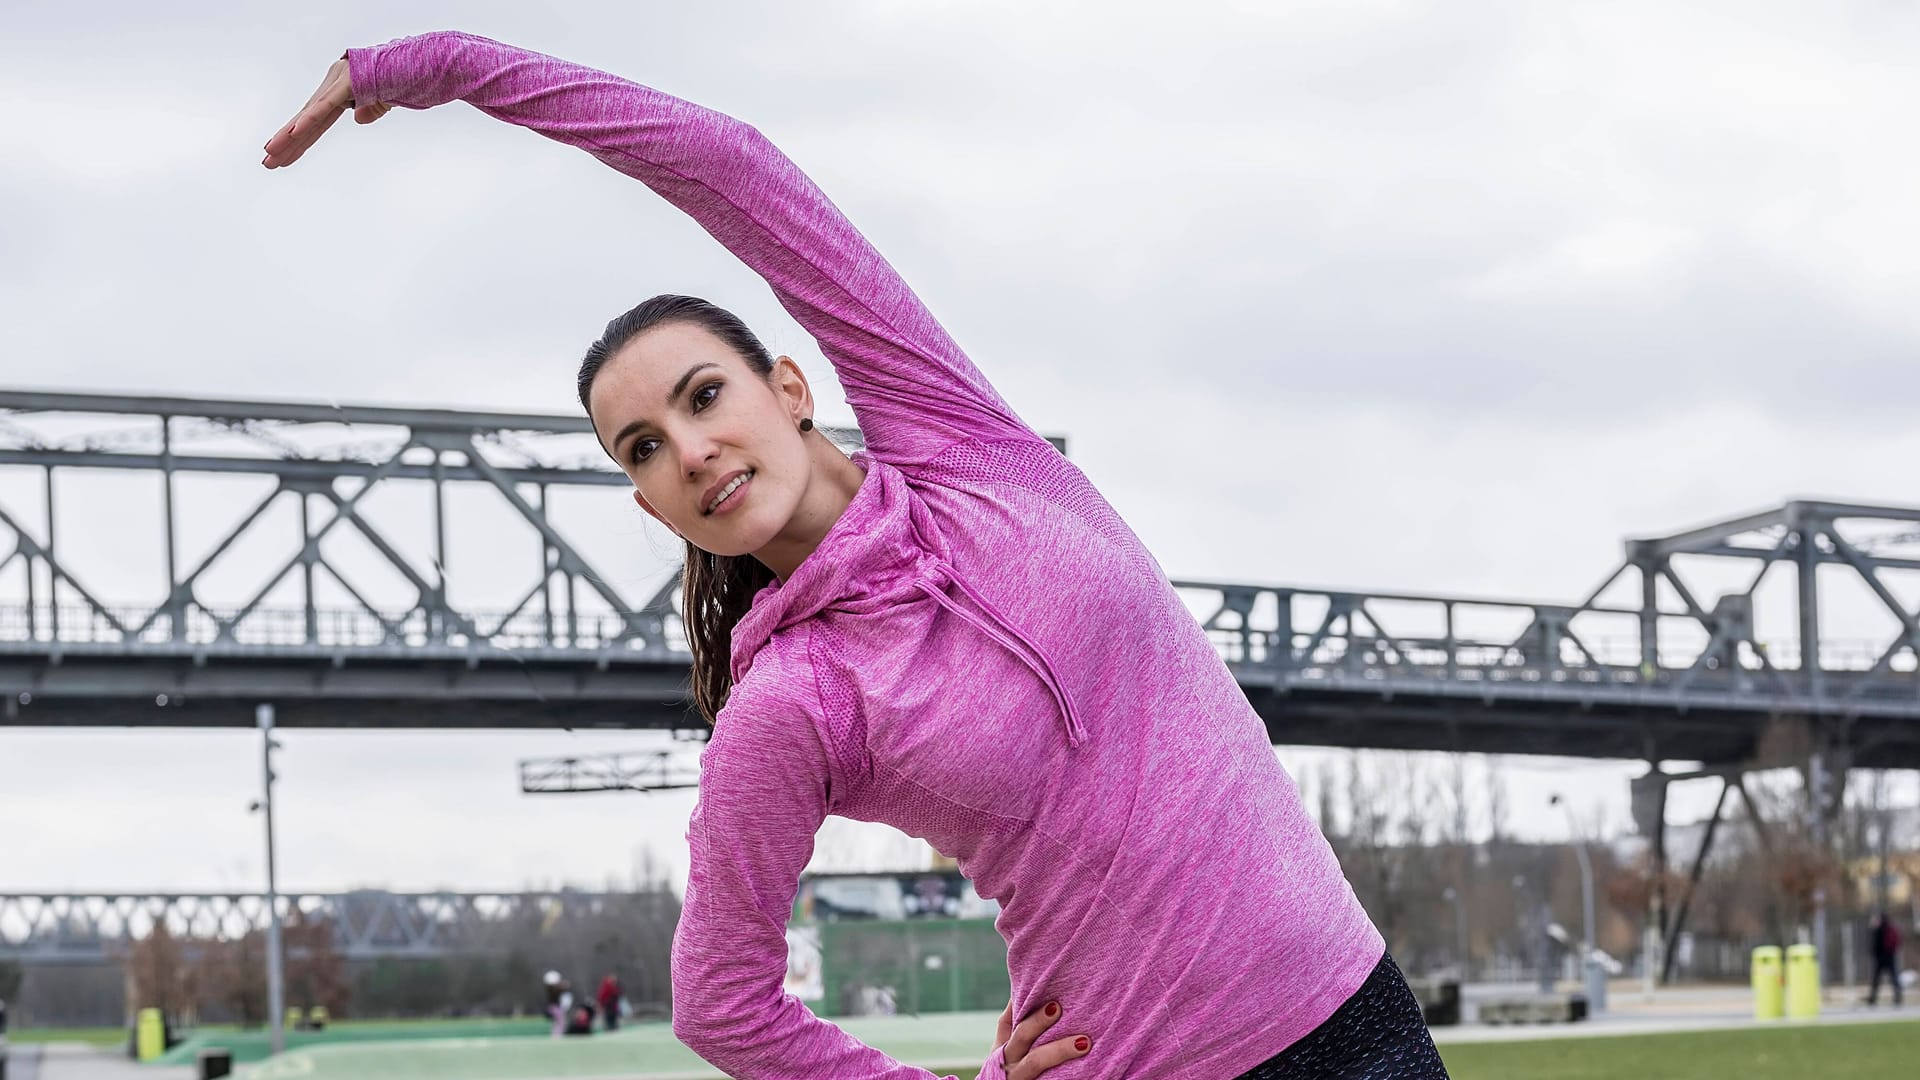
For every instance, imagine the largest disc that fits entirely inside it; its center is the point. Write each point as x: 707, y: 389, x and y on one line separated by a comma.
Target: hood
x: 886, y: 550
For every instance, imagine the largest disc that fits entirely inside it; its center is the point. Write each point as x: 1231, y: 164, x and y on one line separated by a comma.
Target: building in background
x: 882, y: 943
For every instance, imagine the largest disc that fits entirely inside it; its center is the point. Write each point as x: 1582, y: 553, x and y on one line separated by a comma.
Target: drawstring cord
x: 1044, y: 669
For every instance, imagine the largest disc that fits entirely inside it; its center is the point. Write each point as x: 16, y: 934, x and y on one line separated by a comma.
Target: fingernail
x: 1082, y: 1044
x: 1053, y: 1008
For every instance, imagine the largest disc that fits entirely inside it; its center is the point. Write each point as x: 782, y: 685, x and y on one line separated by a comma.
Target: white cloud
x: 89, y: 140
x: 1620, y: 257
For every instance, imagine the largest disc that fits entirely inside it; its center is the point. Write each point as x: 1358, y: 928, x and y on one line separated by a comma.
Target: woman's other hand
x: 1024, y: 1060
x: 334, y: 98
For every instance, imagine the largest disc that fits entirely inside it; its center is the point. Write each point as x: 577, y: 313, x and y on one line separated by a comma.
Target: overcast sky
x: 1438, y: 297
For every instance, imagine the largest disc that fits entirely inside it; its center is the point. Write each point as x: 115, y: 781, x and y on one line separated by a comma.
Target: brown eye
x: 643, y: 449
x: 705, y: 396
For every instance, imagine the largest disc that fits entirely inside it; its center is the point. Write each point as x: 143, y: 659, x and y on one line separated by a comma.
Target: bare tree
x: 160, y: 976
x: 1496, y: 778
x: 316, y: 974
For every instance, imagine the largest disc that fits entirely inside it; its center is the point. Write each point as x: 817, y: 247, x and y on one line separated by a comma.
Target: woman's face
x: 713, y: 448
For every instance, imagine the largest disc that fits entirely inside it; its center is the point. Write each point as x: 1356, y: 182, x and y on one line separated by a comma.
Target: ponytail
x: 716, y: 590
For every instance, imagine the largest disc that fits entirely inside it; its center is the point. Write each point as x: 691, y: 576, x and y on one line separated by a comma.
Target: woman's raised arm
x: 912, y: 389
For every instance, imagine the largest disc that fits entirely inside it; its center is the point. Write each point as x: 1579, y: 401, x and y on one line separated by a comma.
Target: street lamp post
x: 276, y: 982
x: 1596, y: 981
x: 1460, y: 930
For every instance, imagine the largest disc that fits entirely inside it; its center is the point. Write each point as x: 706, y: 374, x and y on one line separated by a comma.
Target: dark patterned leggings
x: 1378, y: 1034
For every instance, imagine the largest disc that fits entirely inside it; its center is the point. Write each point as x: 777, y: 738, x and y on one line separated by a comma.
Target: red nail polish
x: 1053, y: 1008
x: 1081, y: 1044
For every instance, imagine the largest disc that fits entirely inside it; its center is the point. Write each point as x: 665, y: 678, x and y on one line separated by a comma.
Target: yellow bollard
x: 1766, y: 982
x: 1803, y: 982
x: 149, y: 1035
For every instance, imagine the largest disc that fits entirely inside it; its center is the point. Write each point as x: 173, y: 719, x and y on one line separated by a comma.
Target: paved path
x: 23, y: 1062
x: 1632, y: 1012
x: 77, y: 1061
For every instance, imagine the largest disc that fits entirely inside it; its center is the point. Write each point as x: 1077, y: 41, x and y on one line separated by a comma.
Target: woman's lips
x: 735, y: 497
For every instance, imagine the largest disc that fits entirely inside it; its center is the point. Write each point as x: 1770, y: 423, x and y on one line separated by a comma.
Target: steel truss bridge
x: 65, y: 928
x: 326, y: 589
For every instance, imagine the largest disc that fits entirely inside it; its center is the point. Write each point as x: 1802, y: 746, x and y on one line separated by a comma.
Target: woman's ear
x: 641, y: 501
x: 790, y: 383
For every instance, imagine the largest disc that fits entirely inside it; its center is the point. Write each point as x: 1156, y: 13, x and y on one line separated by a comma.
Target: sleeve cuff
x: 363, y: 69
x: 996, y: 1066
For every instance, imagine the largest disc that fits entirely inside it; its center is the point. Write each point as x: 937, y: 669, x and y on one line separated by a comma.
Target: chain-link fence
x: 911, y: 966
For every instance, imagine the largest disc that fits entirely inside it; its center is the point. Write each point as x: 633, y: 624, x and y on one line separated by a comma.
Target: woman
x: 951, y: 632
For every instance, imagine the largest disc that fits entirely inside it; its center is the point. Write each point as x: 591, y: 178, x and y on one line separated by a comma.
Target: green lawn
x: 339, y: 1029
x: 251, y: 1045
x: 93, y: 1036
x: 1855, y: 1051
x: 1815, y: 1052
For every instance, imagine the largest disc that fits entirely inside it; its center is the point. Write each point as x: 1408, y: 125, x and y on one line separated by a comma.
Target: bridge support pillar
x: 1649, y: 803
x: 1827, y: 770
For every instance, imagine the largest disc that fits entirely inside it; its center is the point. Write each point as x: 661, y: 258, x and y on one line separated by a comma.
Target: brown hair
x: 716, y: 590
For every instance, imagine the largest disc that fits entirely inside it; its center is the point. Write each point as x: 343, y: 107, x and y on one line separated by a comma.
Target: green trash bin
x: 1769, y: 991
x: 1803, y: 982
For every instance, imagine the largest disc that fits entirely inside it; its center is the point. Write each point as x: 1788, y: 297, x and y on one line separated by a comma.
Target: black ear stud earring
x: 806, y: 423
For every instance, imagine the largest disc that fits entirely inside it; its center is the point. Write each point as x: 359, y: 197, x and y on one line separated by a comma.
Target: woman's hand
x: 1024, y: 1061
x: 334, y: 97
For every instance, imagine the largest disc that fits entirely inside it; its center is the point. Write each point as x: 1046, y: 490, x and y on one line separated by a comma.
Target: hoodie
x: 980, y: 653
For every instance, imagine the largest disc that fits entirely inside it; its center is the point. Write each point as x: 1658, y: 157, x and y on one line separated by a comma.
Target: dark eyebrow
x: 679, y: 387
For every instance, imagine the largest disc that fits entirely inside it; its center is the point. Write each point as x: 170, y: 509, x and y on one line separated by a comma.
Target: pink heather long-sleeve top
x: 980, y: 653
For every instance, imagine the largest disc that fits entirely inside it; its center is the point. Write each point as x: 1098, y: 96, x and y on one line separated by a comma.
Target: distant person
x: 1883, y: 941
x: 609, y: 998
x: 559, y: 1001
x: 952, y: 632
x: 580, y: 1013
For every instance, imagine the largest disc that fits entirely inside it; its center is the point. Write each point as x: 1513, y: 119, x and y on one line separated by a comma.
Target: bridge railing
x: 341, y: 629
x: 1292, y: 638
x: 90, y: 928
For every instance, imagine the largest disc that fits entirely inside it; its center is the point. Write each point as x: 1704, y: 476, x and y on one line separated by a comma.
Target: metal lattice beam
x: 93, y: 928
x: 651, y: 770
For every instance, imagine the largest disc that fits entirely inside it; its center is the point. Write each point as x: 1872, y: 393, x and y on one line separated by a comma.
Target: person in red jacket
x: 609, y: 998
x: 1883, y: 941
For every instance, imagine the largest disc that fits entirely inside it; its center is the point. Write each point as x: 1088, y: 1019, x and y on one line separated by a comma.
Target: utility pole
x: 276, y: 982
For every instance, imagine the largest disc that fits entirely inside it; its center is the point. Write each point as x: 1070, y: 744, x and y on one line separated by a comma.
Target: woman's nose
x: 696, y: 454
